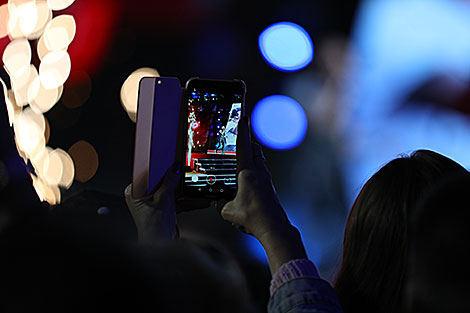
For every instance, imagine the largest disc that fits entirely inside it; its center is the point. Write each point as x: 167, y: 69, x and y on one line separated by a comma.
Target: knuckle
x: 248, y: 175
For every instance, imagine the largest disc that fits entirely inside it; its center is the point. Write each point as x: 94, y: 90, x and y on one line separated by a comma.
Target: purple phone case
x: 158, y: 113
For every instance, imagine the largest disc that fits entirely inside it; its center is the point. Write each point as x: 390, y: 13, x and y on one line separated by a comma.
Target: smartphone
x: 213, y: 109
x: 158, y: 119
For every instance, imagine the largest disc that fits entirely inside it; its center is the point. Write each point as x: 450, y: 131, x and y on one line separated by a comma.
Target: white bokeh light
x: 57, y: 5
x: 42, y: 99
x: 55, y: 69
x: 21, y: 83
x: 130, y: 89
x: 59, y: 32
x: 17, y: 54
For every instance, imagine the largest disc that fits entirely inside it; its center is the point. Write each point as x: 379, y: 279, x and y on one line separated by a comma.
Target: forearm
x: 282, y: 245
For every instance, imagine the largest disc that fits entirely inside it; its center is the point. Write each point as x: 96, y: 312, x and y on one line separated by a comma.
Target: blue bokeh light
x: 279, y: 122
x: 286, y: 46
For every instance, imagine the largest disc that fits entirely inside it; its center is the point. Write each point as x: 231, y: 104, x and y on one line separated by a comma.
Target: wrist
x: 282, y: 233
x: 282, y: 246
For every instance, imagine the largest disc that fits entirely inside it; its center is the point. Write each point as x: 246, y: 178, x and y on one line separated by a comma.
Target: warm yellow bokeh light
x: 44, y: 17
x: 59, y: 32
x: 12, y: 4
x: 85, y: 160
x: 40, y: 161
x: 41, y: 48
x: 130, y: 89
x: 24, y: 20
x: 21, y: 83
x: 29, y: 129
x: 68, y: 169
x: 28, y: 17
x: 53, y: 172
x: 57, y: 5
x: 11, y: 107
x: 40, y: 98
x: 17, y: 55
x: 4, y: 20
x: 15, y: 109
x: 46, y: 192
x: 54, y: 69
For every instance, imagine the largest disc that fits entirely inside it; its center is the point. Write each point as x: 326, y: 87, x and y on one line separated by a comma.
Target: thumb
x: 170, y: 181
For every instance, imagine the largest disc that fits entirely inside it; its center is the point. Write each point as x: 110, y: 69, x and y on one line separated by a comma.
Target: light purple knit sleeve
x: 291, y: 270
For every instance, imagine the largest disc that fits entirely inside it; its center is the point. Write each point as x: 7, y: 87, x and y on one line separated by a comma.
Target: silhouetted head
x: 439, y: 269
x: 373, y: 269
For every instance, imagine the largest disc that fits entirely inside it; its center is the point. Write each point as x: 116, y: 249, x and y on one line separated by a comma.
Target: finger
x: 130, y: 200
x: 260, y: 161
x: 244, y: 153
x: 170, y: 182
x: 220, y: 205
x: 227, y: 212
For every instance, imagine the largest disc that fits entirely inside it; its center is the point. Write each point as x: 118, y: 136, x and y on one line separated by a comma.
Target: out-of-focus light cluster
x: 35, y: 92
x: 286, y: 46
x: 130, y: 90
x: 279, y: 122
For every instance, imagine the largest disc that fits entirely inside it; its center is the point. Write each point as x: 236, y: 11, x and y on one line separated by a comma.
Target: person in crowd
x: 438, y: 275
x: 372, y: 274
x: 374, y: 263
x: 213, y: 280
x: 373, y: 270
x: 296, y: 285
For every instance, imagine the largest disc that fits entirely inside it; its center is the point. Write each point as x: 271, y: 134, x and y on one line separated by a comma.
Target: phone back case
x: 158, y: 115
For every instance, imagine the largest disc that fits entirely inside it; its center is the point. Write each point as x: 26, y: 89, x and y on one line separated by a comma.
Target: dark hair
x: 439, y: 234
x: 373, y: 269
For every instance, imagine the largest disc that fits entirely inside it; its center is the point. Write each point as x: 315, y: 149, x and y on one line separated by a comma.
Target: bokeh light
x: 59, y: 32
x: 130, y: 89
x: 41, y: 48
x: 85, y: 159
x: 405, y: 43
x: 41, y: 90
x: 76, y: 95
x: 27, y: 17
x: 55, y: 69
x: 286, y: 46
x: 68, y: 169
x: 40, y: 161
x: 53, y: 172
x: 46, y: 192
x: 279, y: 122
x: 21, y: 83
x: 29, y: 129
x: 4, y: 19
x: 17, y: 54
x: 57, y: 5
x: 44, y: 17
x: 40, y: 98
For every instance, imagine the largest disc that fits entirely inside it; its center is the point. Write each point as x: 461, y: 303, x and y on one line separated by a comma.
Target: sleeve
x: 297, y: 288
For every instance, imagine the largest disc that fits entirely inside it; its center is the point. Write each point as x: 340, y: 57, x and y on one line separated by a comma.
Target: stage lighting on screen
x: 286, y: 46
x: 279, y: 122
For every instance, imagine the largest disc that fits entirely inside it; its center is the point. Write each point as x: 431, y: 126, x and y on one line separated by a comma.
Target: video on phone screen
x: 212, y: 135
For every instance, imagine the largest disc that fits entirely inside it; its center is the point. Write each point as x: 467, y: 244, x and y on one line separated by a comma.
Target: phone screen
x: 214, y: 109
